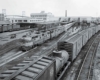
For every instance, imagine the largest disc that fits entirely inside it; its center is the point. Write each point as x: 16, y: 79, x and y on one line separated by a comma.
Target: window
x: 15, y: 20
x: 25, y: 20
x: 19, y: 20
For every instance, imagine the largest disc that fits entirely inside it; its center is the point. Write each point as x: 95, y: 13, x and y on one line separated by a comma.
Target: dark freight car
x: 72, y: 46
x: 43, y: 69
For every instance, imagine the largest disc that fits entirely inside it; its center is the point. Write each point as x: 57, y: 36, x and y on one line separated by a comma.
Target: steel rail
x: 84, y: 60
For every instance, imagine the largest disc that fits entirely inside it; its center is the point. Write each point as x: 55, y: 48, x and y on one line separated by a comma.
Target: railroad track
x: 84, y: 71
x: 15, y: 55
x: 48, y: 51
x: 8, y: 58
x: 72, y: 72
x: 9, y: 74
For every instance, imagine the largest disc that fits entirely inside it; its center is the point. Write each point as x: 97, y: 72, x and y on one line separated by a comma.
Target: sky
x: 56, y: 7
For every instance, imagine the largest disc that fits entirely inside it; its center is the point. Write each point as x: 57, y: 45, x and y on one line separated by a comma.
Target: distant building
x: 2, y: 17
x: 42, y: 17
x: 35, y: 18
x: 17, y: 19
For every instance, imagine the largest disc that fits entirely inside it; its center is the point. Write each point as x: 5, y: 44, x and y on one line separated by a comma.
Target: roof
x: 47, y: 22
x: 74, y: 38
x: 38, y: 23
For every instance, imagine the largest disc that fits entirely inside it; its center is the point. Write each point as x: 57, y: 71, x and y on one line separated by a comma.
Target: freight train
x: 39, y: 38
x: 12, y: 27
x: 51, y: 68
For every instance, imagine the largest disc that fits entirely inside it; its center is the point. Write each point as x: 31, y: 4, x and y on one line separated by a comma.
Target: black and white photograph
x: 49, y: 40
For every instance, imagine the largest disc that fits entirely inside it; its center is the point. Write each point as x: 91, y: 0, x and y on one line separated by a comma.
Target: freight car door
x: 74, y: 54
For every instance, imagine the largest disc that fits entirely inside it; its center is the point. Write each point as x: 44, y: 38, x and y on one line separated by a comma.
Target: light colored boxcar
x: 84, y: 34
x: 9, y: 27
x: 17, y: 26
x: 4, y: 27
x: 97, y: 28
x: 89, y: 33
x: 93, y: 30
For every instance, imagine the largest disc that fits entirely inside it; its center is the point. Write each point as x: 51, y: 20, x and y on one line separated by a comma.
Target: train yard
x: 36, y: 51
x: 64, y: 57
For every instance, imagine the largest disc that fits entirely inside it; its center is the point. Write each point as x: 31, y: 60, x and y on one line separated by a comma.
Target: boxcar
x: 15, y: 26
x: 93, y: 30
x: 72, y: 46
x: 89, y: 33
x: 84, y: 34
x: 4, y: 28
x: 97, y: 28
x: 43, y: 69
x: 9, y: 27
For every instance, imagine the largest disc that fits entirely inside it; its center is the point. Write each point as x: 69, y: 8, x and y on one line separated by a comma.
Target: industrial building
x: 17, y: 19
x: 42, y: 17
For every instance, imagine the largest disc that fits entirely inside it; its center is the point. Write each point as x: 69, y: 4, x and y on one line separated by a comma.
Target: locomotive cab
x: 27, y: 43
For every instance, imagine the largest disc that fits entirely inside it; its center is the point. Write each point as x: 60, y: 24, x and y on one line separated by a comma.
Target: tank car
x: 61, y: 58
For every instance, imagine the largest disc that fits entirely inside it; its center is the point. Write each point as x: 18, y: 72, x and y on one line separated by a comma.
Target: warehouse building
x: 42, y: 17
x: 17, y: 19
